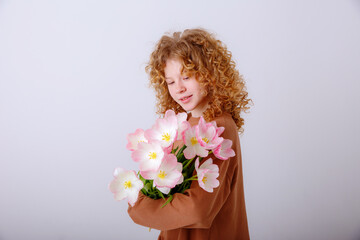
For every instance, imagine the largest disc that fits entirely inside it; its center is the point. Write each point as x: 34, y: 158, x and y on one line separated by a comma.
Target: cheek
x: 195, y: 85
x: 171, y: 92
x: 200, y: 90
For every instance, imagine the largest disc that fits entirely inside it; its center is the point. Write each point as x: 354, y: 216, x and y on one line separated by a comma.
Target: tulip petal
x: 125, y: 184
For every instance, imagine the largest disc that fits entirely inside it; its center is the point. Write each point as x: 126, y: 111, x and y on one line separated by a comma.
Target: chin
x: 187, y: 109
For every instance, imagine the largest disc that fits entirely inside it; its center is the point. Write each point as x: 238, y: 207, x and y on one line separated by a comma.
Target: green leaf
x: 167, y: 201
x: 147, y: 186
x: 161, y: 194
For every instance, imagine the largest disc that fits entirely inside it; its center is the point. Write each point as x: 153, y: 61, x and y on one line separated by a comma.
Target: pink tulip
x: 125, y: 184
x: 207, y: 174
x: 224, y: 151
x: 193, y: 146
x: 149, y: 155
x: 135, y: 138
x: 181, y: 119
x: 207, y: 134
x: 164, y: 131
x: 168, y: 174
x: 219, y: 130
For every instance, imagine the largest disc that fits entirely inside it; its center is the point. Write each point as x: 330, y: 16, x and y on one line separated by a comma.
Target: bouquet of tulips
x: 165, y: 170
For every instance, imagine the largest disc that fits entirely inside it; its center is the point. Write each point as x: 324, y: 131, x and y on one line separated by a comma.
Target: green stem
x: 192, y: 178
x: 180, y: 151
x: 188, y: 163
x: 173, y: 151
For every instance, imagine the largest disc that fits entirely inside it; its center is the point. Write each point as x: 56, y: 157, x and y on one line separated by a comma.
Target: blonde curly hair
x: 208, y: 58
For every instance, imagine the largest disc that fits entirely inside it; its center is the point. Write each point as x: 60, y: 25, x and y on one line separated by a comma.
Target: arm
x: 196, y: 208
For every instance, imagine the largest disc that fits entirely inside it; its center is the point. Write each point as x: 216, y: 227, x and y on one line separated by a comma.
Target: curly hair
x: 208, y: 58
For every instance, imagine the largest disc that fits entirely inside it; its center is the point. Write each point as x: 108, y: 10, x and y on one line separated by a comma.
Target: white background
x: 73, y: 85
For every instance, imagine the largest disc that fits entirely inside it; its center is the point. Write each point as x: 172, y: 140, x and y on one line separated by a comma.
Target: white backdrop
x: 73, y: 85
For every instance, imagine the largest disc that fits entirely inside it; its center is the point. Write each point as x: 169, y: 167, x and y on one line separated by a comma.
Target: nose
x: 180, y: 87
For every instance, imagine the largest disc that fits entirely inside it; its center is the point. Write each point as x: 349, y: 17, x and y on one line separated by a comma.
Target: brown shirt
x: 198, y: 214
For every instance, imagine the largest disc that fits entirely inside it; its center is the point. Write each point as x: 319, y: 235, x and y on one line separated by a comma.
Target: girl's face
x: 186, y: 91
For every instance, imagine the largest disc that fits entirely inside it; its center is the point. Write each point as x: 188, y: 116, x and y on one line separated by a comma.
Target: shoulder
x: 225, y: 120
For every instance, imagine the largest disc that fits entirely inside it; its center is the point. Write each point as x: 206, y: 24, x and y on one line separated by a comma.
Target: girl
x: 194, y: 72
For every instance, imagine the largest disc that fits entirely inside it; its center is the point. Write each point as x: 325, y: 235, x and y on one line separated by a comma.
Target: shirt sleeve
x: 196, y: 208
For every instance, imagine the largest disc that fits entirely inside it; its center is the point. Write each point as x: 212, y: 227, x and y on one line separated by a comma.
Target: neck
x: 198, y: 112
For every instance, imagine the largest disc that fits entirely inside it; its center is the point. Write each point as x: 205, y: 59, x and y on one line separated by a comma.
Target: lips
x: 185, y: 99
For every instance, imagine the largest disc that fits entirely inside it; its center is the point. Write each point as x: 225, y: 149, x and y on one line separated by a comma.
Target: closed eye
x: 169, y: 83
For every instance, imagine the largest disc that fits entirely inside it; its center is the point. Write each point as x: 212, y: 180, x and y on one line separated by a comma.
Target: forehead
x: 173, y: 68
